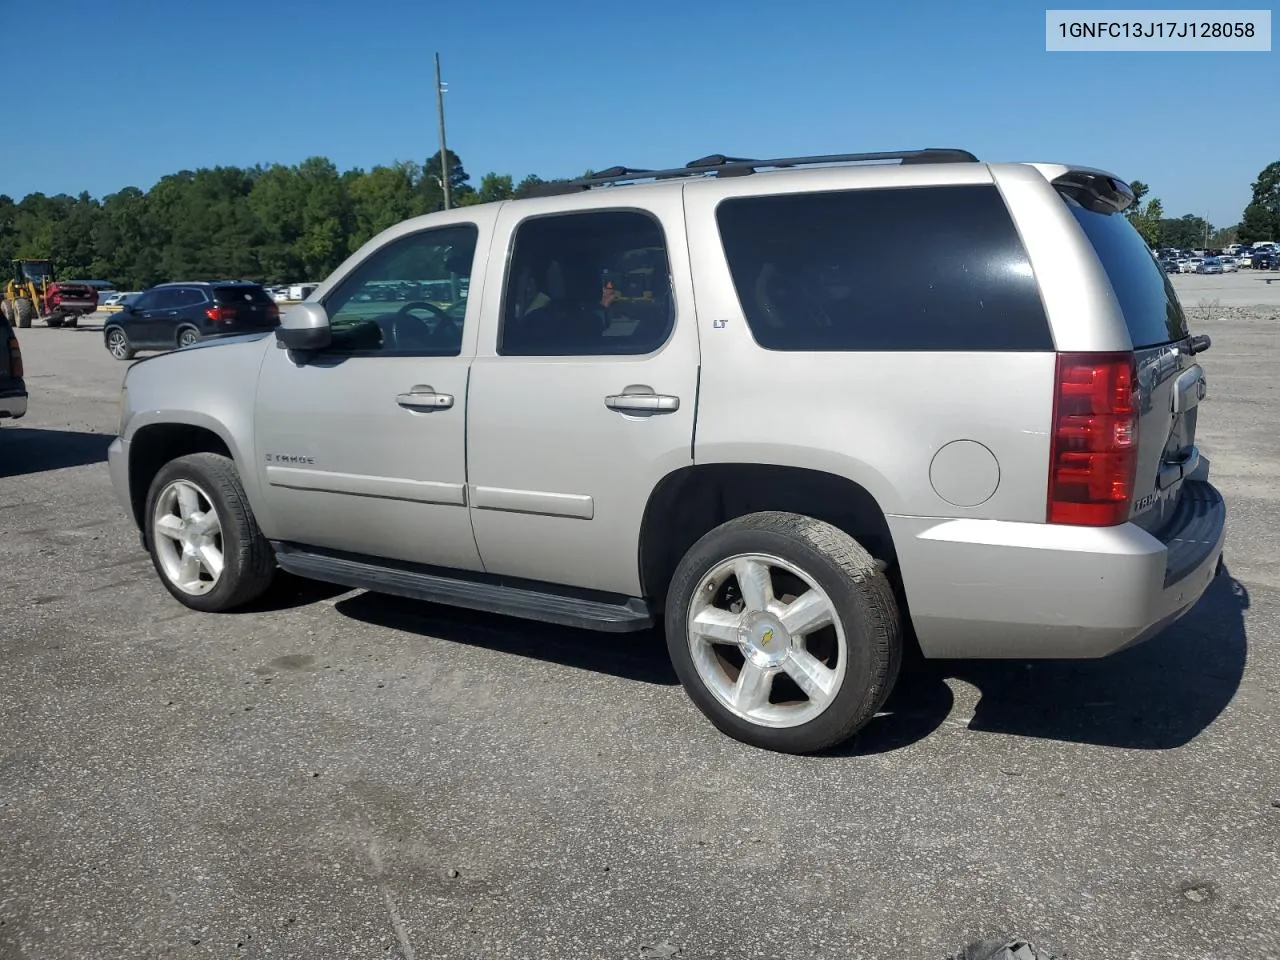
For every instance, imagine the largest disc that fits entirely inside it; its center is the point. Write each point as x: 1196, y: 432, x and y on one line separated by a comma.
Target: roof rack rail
x: 719, y: 165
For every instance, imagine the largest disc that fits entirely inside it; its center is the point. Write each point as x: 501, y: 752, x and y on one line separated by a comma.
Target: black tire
x: 117, y: 343
x: 248, y: 561
x: 23, y: 311
x: 53, y: 321
x: 6, y: 310
x: 187, y: 336
x: 862, y: 601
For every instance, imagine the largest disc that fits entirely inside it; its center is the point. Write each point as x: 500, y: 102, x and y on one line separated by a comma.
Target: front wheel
x: 203, y: 538
x: 118, y: 344
x: 784, y: 631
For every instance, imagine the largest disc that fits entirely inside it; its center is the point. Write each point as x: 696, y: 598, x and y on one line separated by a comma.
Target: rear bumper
x: 996, y: 589
x: 13, y: 400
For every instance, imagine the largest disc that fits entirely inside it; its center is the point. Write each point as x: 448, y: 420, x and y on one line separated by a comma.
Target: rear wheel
x: 187, y: 336
x: 23, y: 311
x: 203, y: 537
x: 783, y: 631
x: 118, y: 344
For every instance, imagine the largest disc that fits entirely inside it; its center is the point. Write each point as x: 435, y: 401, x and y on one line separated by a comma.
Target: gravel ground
x: 341, y: 774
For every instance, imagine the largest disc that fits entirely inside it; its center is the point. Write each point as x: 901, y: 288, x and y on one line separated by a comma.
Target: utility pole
x: 444, y: 152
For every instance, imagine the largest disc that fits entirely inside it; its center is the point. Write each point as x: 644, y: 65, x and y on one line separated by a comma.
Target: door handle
x: 424, y: 398
x: 642, y: 400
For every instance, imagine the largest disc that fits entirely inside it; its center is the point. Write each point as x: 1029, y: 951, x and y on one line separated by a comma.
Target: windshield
x: 37, y: 270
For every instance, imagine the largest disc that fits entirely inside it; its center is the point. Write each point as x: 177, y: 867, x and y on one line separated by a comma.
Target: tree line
x: 274, y: 224
x: 280, y: 224
x: 1260, y: 221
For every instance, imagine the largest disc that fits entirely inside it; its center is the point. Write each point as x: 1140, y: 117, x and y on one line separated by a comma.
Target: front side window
x: 587, y: 284
x: 409, y: 298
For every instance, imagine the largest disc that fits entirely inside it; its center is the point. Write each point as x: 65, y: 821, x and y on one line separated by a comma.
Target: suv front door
x: 362, y: 446
x: 583, y: 390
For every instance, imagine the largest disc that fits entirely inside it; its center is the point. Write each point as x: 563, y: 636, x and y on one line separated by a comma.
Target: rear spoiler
x: 1095, y: 190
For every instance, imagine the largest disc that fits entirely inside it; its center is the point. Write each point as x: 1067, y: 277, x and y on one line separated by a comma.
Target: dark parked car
x: 180, y: 314
x: 13, y: 391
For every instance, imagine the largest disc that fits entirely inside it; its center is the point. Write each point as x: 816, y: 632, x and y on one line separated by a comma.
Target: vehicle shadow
x: 1158, y: 695
x: 26, y: 450
x: 289, y: 592
x: 641, y: 656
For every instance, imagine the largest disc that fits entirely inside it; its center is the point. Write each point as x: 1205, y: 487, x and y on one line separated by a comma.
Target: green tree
x: 494, y: 186
x: 1186, y: 232
x: 1261, y: 220
x: 1146, y: 221
x: 380, y: 199
x: 459, y: 180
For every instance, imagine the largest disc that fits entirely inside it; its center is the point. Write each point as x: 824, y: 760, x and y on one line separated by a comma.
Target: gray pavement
x: 347, y: 775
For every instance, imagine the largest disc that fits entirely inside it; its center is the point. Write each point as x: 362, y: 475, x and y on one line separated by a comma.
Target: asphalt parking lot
x: 342, y: 774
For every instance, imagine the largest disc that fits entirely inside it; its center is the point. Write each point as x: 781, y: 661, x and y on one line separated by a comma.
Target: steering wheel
x: 443, y: 315
x: 410, y: 332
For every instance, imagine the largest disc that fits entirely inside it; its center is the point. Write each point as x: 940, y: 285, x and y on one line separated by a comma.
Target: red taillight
x: 221, y: 314
x: 15, y: 358
x: 272, y: 311
x: 1093, y: 455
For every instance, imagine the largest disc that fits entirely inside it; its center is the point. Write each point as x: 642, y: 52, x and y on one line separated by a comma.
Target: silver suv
x: 719, y: 398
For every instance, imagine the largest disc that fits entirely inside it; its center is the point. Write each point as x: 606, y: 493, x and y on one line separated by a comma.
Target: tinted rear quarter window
x: 921, y: 268
x: 1151, y: 308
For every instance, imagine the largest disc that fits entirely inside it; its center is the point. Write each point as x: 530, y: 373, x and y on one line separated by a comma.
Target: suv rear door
x: 1170, y: 381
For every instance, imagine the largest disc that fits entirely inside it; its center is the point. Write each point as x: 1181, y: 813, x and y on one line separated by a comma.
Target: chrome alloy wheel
x: 188, y: 537
x: 766, y: 641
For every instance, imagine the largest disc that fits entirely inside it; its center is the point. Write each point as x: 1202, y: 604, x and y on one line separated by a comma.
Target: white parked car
x: 1190, y: 264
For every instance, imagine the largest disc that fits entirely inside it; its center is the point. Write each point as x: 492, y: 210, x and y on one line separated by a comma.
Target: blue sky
x: 554, y: 88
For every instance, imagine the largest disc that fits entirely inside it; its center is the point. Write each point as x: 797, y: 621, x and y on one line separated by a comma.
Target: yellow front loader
x: 26, y: 291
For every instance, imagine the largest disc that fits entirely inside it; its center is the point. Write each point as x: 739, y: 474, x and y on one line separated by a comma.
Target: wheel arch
x: 152, y: 445
x: 691, y: 501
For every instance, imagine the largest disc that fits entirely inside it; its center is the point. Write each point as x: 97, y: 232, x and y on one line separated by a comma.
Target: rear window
x: 241, y: 293
x: 1151, y: 308
x: 932, y: 268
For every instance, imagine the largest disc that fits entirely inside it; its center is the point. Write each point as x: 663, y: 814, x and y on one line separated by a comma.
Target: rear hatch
x: 1170, y: 382
x: 253, y: 307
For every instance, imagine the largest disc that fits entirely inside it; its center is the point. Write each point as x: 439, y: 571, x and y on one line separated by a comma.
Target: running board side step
x: 532, y: 602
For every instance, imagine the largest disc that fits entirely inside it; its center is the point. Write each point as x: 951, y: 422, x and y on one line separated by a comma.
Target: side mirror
x: 304, y: 327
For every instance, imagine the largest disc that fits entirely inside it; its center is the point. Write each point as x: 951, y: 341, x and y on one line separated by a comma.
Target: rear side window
x: 1151, y: 308
x: 933, y: 268
x: 240, y: 294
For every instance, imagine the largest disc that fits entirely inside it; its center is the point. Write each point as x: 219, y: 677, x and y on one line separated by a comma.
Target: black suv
x: 179, y: 314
